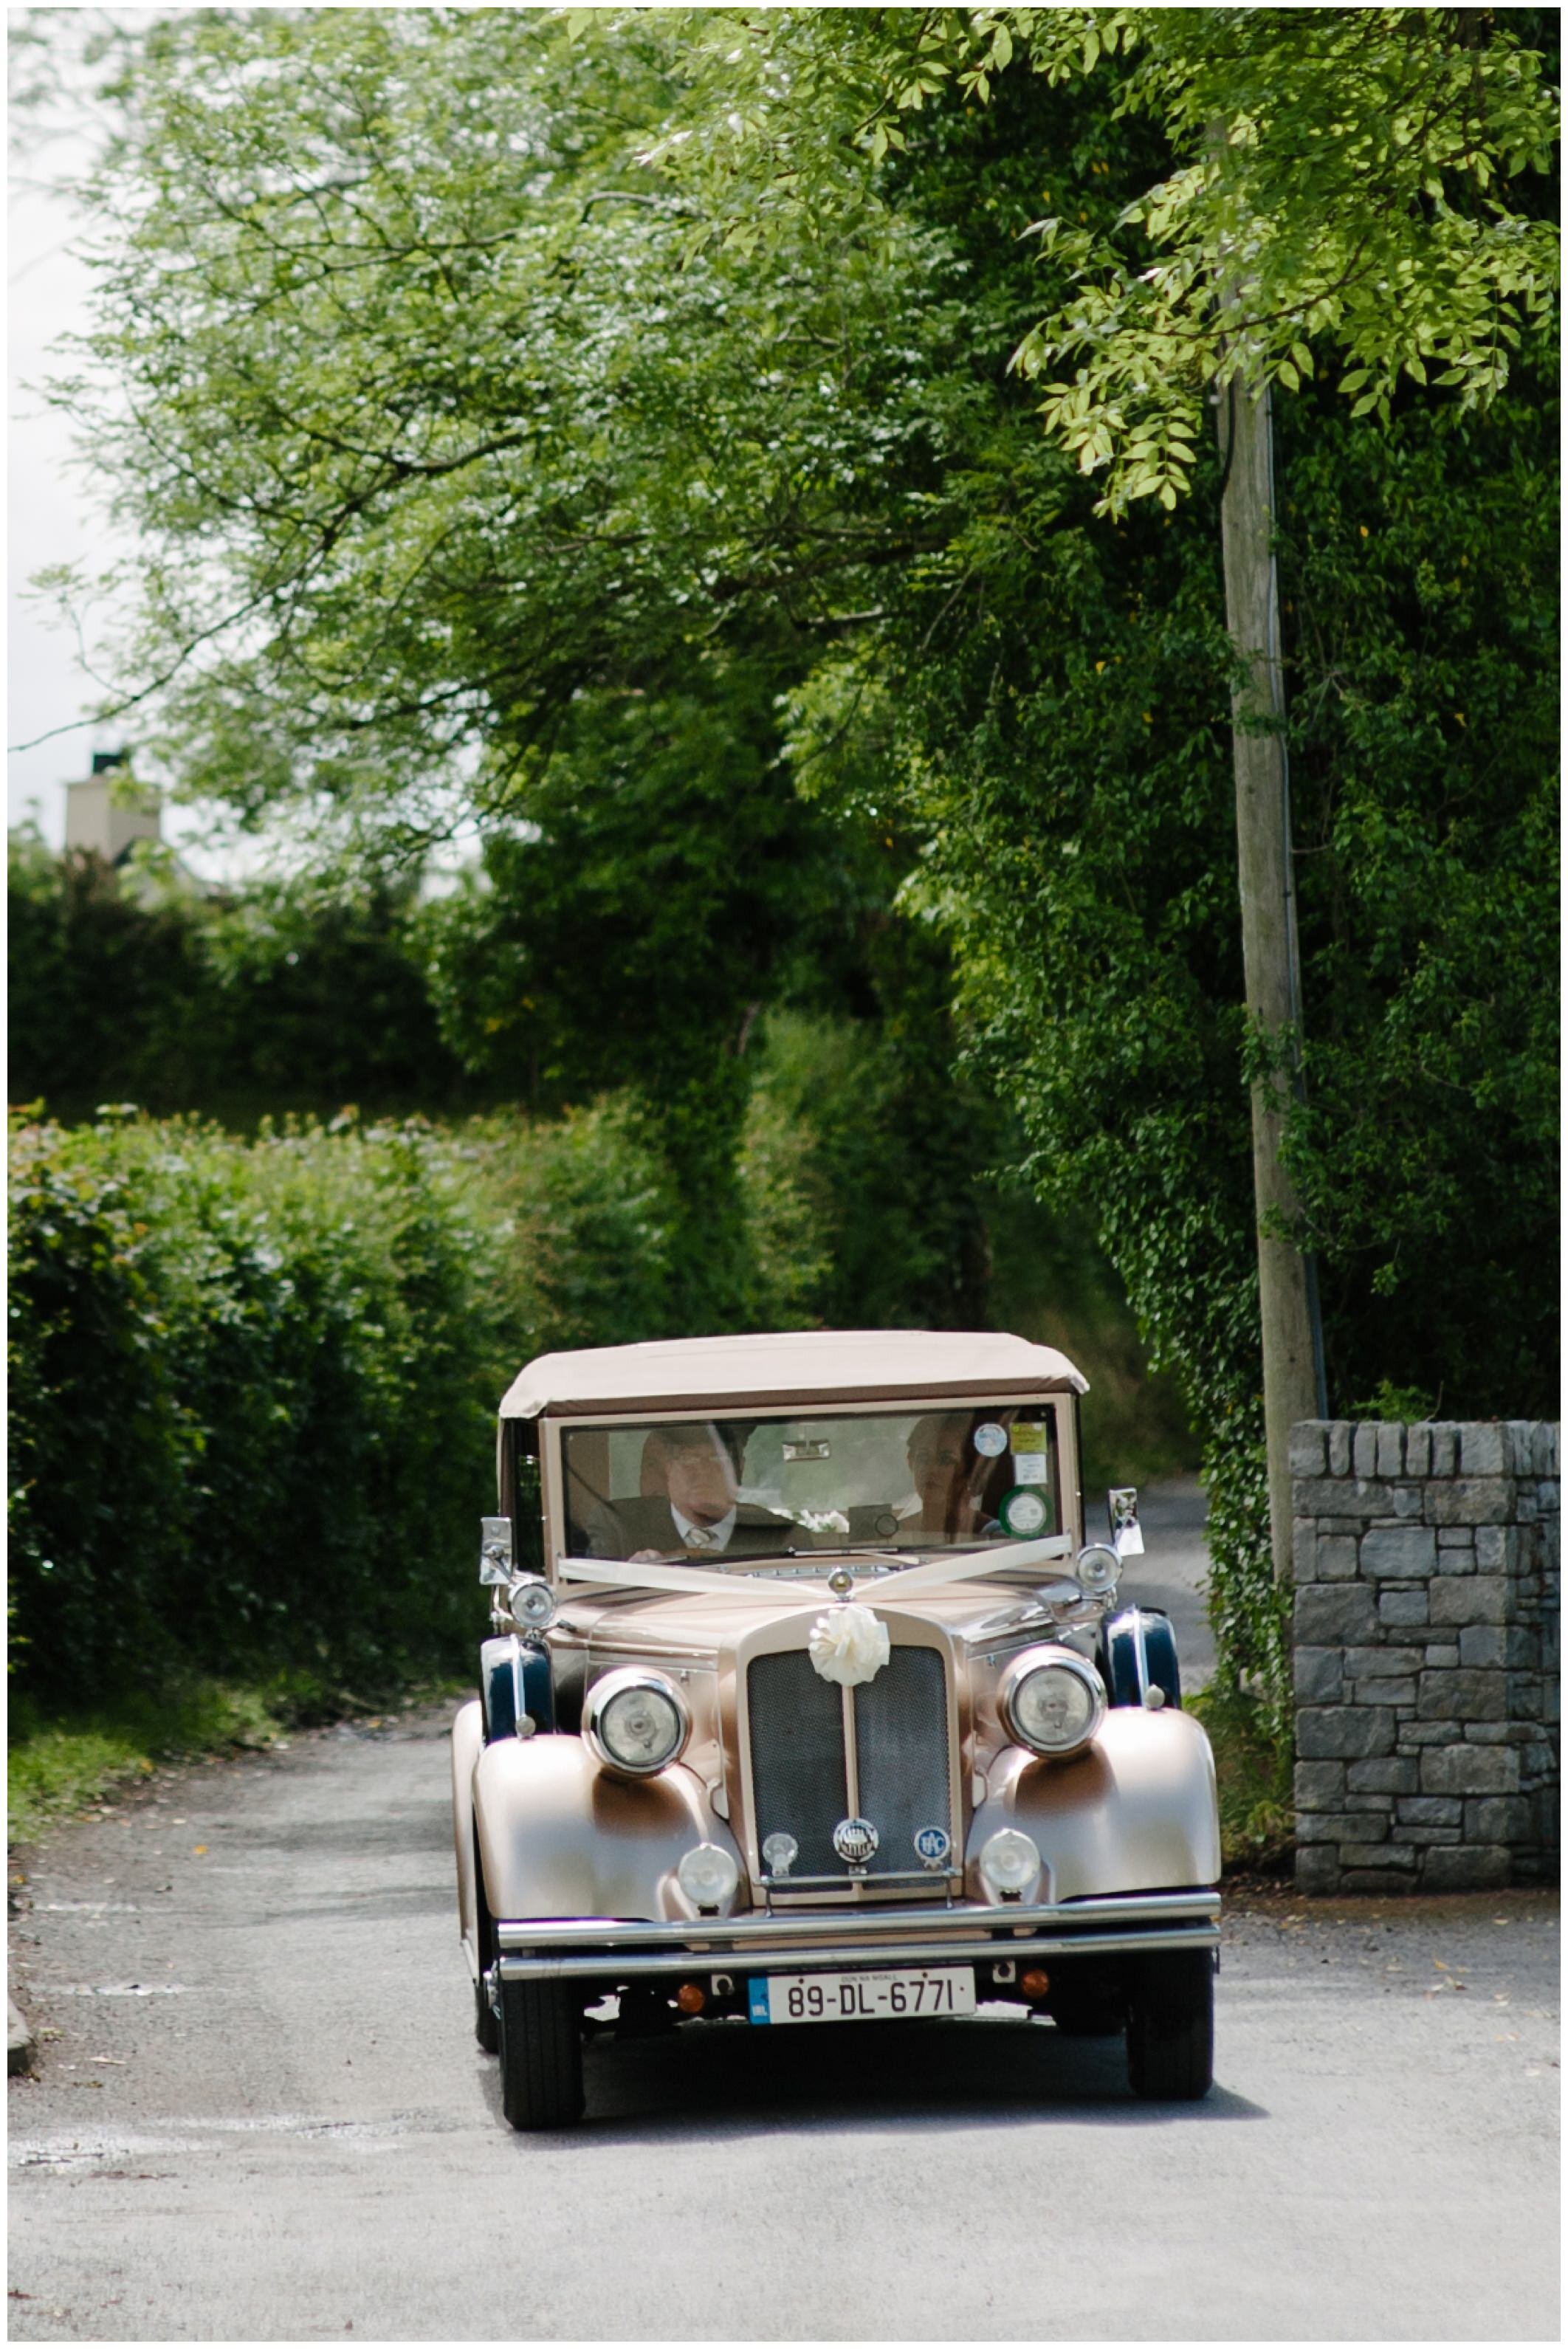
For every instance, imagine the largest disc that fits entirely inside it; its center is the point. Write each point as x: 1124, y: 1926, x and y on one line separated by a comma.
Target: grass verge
x: 59, y: 1765
x: 1257, y: 1808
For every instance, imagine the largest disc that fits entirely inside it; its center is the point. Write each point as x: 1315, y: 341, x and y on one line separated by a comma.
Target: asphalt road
x: 264, y: 2117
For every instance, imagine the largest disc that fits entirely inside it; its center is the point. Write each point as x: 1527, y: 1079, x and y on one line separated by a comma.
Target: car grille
x: 800, y: 1774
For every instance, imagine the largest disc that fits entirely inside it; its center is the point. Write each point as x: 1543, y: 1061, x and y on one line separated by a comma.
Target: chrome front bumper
x: 578, y: 1948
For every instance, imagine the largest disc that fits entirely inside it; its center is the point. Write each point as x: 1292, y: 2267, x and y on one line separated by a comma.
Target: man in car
x: 690, y: 1507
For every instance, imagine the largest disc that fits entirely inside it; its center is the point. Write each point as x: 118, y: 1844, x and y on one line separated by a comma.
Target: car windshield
x: 780, y: 1486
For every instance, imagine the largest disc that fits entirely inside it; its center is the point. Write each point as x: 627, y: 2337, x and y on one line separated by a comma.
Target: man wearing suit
x: 689, y: 1507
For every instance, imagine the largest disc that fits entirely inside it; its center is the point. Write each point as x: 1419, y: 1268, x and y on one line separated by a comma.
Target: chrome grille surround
x: 820, y: 1754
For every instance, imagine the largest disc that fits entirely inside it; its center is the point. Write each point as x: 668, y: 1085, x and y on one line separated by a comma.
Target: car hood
x: 660, y: 1622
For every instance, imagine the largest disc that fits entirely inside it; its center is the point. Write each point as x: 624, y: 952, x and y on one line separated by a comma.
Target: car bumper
x: 593, y: 1948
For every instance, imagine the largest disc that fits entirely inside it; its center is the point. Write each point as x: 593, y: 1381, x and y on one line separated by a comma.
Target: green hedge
x: 253, y: 1380
x: 253, y: 1383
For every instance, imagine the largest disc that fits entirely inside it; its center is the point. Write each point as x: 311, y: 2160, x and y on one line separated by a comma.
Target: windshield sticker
x: 990, y: 1440
x: 1024, y: 1512
x: 1029, y: 1436
x: 1031, y: 1467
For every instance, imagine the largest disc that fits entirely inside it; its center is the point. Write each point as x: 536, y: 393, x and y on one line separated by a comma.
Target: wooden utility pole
x: 1292, y: 1366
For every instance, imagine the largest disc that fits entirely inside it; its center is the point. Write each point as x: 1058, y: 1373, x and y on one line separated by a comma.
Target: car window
x: 778, y: 1485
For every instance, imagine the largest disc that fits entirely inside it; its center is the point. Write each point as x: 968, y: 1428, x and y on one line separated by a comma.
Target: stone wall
x: 1427, y: 1643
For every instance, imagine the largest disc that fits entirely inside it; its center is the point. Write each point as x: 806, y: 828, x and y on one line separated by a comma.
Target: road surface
x: 264, y: 2117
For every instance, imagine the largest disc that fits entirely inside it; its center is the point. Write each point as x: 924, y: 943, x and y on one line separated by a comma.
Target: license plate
x: 885, y: 1997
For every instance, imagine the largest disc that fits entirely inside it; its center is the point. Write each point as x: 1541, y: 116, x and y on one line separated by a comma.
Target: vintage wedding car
x: 805, y: 1701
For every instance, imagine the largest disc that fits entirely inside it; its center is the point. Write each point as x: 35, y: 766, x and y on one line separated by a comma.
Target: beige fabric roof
x: 796, y: 1366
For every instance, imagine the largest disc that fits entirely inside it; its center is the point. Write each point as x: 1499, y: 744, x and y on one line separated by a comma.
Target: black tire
x: 541, y: 2056
x: 1170, y: 2026
x: 486, y: 2030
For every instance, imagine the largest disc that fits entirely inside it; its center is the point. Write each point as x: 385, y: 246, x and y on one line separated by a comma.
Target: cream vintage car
x: 806, y: 1701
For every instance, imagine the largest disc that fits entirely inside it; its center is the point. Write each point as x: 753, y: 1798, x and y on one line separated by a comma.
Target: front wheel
x: 541, y: 2056
x: 1170, y: 2026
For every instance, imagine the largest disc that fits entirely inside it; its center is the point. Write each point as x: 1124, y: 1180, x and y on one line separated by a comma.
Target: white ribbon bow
x: 849, y: 1645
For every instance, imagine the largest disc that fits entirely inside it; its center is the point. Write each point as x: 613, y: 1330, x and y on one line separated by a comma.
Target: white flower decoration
x: 822, y: 1521
x: 849, y: 1645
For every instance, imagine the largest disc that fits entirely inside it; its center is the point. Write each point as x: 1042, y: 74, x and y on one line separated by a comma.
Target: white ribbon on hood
x: 849, y: 1645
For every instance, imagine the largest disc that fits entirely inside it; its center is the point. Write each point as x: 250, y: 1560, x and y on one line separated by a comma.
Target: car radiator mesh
x: 902, y: 1759
x: 800, y: 1781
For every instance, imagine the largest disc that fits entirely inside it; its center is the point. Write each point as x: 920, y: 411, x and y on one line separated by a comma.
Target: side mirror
x: 1127, y: 1534
x: 495, y: 1549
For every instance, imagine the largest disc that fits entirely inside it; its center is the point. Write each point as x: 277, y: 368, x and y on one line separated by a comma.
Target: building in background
x: 105, y: 814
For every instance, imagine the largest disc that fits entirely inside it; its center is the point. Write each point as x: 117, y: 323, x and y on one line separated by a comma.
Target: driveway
x: 264, y: 2117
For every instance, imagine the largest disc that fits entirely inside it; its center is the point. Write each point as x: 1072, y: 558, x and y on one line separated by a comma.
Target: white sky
x: 48, y: 516
x: 52, y: 519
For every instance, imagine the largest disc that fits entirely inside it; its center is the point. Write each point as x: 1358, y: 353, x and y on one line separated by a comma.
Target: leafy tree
x: 499, y: 519
x: 539, y: 388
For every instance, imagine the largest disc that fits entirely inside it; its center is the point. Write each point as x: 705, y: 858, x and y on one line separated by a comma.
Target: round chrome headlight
x: 531, y: 1604
x: 707, y: 1876
x: 1052, y: 1700
x: 1098, y: 1569
x: 1010, y: 1863
x: 636, y: 1721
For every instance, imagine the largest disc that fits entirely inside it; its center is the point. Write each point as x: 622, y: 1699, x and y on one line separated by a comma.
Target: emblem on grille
x: 933, y: 1844
x: 855, y: 1841
x: 780, y: 1852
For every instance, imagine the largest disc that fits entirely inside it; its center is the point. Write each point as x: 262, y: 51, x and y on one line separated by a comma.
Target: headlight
x: 1010, y: 1863
x: 531, y: 1604
x: 1098, y: 1569
x: 707, y: 1876
x: 1052, y: 1700
x: 635, y: 1722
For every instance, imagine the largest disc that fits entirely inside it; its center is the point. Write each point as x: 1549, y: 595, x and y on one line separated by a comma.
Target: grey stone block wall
x: 1428, y: 1613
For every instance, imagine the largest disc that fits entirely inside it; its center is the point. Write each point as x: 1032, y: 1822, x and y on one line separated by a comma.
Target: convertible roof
x: 797, y: 1366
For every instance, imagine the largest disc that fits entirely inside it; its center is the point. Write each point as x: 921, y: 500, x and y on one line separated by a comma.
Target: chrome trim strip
x: 732, y: 1933
x: 775, y: 1885
x: 580, y: 1968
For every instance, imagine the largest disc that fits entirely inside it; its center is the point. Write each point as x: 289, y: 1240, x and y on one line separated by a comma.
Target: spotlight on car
x: 1098, y: 1571
x: 531, y: 1604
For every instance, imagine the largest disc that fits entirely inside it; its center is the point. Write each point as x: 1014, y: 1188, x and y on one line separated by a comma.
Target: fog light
x: 1010, y: 1863
x: 690, y: 1998
x: 1035, y: 1982
x: 707, y: 1876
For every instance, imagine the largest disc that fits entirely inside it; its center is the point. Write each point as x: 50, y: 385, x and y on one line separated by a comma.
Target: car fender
x: 561, y: 1836
x: 1136, y: 1812
x: 467, y: 1744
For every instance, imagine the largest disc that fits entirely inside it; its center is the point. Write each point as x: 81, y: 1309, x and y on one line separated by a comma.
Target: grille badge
x: 781, y: 1852
x: 856, y: 1841
x: 932, y: 1844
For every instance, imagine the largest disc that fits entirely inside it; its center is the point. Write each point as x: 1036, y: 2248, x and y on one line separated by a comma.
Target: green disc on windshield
x: 1025, y: 1512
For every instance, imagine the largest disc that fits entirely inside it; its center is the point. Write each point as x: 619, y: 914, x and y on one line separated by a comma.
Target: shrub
x: 253, y: 1384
